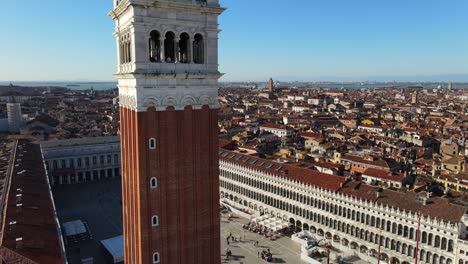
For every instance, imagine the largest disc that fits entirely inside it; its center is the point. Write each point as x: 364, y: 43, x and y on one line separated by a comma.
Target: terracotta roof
x: 435, y: 207
x: 33, y: 213
x: 358, y: 159
x: 300, y: 174
x: 382, y: 174
x: 311, y: 135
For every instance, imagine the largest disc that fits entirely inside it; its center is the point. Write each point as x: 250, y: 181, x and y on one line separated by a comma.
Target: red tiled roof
x: 382, y: 174
x: 357, y: 159
x: 35, y: 221
x: 311, y: 135
x: 300, y: 174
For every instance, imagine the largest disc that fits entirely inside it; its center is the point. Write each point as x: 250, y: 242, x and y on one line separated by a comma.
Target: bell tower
x: 168, y: 86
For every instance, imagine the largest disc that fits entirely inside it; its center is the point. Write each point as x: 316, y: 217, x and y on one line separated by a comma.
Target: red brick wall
x: 186, y: 200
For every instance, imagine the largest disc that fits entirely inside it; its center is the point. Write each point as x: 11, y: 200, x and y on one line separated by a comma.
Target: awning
x: 74, y: 228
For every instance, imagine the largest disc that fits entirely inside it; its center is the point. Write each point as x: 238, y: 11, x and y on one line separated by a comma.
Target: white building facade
x: 351, y: 222
x: 14, y: 117
x: 82, y: 160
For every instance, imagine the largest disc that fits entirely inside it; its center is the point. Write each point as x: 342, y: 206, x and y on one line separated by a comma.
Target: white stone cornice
x: 161, y: 98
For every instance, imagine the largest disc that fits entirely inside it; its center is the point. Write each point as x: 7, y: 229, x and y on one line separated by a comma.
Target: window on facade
x: 152, y: 143
x: 198, y: 49
x: 64, y: 165
x: 72, y: 163
x: 79, y: 162
x: 116, y: 158
x: 183, y: 54
x: 155, y: 46
x: 55, y: 165
x: 155, y: 258
x: 125, y: 49
x: 169, y: 47
x: 87, y: 161
x: 94, y: 160
x: 101, y: 159
x: 155, y: 220
x: 153, y: 183
x: 109, y: 159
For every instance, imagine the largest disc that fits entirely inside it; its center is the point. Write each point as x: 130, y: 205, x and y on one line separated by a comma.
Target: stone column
x: 163, y: 53
x: 68, y: 178
x: 189, y: 50
x: 61, y: 179
x: 113, y: 172
x: 52, y: 181
x: 99, y: 175
x: 176, y: 51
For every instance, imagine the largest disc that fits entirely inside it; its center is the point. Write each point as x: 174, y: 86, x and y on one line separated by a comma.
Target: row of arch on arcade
x: 176, y: 48
x: 350, y: 230
x: 338, y: 210
x: 363, y: 234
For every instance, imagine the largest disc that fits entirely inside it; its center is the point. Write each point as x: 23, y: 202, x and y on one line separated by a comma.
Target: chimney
x: 19, y: 243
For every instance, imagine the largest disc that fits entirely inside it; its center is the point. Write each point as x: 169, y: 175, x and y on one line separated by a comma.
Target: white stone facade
x: 82, y: 160
x: 351, y: 224
x: 14, y: 117
x: 167, y: 53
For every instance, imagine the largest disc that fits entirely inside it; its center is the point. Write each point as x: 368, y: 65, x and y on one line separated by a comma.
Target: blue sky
x: 288, y: 40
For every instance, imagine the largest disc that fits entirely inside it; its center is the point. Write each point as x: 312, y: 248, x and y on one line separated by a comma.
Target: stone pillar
x: 61, y: 179
x: 99, y: 175
x: 113, y: 172
x: 68, y: 178
x: 176, y: 51
x: 163, y: 53
x: 52, y: 181
x: 189, y: 50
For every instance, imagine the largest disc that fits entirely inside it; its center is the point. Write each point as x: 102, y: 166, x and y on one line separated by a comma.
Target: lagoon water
x: 112, y: 85
x: 70, y: 85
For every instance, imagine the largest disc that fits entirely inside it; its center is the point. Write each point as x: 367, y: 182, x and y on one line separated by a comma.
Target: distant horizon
x: 370, y: 80
x: 341, y: 41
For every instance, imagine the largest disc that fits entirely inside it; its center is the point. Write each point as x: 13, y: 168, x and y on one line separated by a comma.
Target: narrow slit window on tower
x: 155, y: 220
x: 153, y: 183
x: 152, y: 143
x: 156, y: 258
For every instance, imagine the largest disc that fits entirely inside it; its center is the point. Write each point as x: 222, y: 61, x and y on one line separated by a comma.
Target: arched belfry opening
x: 198, y: 49
x: 184, y: 54
x: 155, y: 46
x: 169, y: 47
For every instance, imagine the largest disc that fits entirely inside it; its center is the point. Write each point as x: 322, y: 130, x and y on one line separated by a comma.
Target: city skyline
x: 334, y: 41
